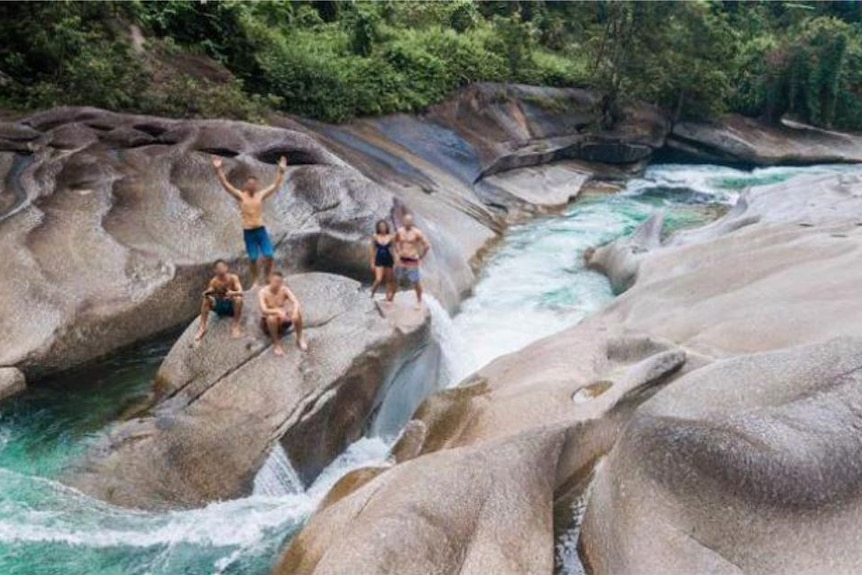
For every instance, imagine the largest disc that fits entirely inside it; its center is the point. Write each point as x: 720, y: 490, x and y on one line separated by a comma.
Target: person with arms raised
x: 250, y: 197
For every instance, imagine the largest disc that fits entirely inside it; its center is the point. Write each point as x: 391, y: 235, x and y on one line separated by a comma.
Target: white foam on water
x: 722, y: 183
x: 63, y: 515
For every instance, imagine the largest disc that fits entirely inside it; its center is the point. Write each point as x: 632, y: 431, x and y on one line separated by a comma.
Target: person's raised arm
x: 217, y: 164
x: 279, y: 178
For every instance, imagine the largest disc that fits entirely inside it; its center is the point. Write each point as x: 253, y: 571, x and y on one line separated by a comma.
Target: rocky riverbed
x: 111, y: 221
x: 741, y: 340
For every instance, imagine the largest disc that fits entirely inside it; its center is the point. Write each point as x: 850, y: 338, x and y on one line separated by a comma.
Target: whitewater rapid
x: 532, y: 285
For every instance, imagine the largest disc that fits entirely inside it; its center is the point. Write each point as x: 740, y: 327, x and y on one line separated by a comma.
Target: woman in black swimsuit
x: 382, y: 261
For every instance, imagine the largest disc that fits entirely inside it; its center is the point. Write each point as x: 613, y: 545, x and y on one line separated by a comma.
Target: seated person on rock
x: 251, y: 199
x: 279, y: 310
x: 411, y: 246
x: 223, y: 296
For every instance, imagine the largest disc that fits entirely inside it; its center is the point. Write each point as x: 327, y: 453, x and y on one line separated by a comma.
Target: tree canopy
x: 336, y: 60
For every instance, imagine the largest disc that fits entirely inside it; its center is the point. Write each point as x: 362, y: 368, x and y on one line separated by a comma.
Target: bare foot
x: 201, y: 332
x: 418, y: 306
x: 278, y: 350
x: 301, y: 344
x: 235, y: 332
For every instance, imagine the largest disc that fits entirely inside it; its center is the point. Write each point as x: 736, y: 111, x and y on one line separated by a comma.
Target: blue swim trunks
x: 257, y: 243
x: 223, y: 307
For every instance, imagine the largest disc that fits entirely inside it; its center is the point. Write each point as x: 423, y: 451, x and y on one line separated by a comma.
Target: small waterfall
x: 277, y: 477
x: 454, y: 362
x: 437, y: 366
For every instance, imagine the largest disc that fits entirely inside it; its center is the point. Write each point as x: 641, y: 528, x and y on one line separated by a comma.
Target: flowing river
x: 532, y: 285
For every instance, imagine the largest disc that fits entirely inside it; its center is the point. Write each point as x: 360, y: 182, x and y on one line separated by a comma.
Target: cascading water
x: 277, y: 477
x: 532, y: 285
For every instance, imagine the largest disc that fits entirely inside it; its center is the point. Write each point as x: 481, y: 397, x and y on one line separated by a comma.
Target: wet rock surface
x: 746, y: 141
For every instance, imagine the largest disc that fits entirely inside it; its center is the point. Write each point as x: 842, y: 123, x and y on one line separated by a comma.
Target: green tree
x: 516, y: 39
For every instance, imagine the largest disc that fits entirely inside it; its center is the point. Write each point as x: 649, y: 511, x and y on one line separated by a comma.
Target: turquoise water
x: 535, y: 284
x: 532, y: 285
x: 47, y: 528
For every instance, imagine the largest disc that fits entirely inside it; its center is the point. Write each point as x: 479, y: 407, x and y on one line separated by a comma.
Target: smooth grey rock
x: 620, y: 259
x: 479, y: 470
x: 736, y: 139
x: 751, y: 464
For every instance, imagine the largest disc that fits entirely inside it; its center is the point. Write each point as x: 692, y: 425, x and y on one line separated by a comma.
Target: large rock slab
x: 220, y: 405
x: 751, y: 464
x: 737, y: 139
x: 424, y: 165
x: 737, y: 460
x: 547, y: 186
x: 514, y: 126
x: 112, y: 237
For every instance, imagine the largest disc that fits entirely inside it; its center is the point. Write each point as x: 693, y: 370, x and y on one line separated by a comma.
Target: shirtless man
x: 251, y: 199
x: 411, y: 246
x: 279, y: 309
x: 223, y: 296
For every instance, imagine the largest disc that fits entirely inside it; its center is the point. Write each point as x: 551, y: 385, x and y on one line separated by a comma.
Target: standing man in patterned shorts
x: 411, y: 246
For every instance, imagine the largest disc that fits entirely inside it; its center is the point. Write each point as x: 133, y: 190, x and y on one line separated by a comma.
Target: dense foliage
x: 336, y: 60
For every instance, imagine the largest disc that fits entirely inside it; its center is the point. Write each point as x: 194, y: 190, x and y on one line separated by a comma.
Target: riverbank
x: 136, y: 195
